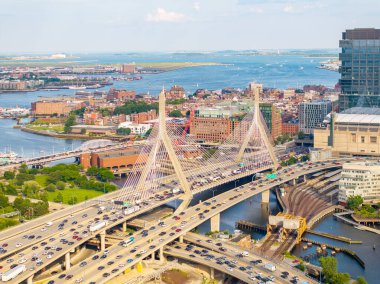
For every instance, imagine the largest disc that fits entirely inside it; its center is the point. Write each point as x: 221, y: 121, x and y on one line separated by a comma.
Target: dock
x: 245, y: 225
x: 336, y: 248
x: 340, y: 216
x: 333, y: 237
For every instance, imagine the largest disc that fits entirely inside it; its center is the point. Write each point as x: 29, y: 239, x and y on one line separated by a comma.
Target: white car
x: 43, y: 229
x: 79, y: 280
x: 49, y: 256
x: 143, y: 251
x: 62, y: 234
x: 22, y: 260
x: 18, y: 245
x: 230, y: 269
x: 161, y: 240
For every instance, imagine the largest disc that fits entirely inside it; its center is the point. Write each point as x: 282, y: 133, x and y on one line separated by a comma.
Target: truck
x: 130, y: 209
x: 101, y: 208
x: 128, y: 242
x: 48, y: 224
x: 176, y: 190
x: 12, y: 273
x: 244, y: 253
x: 270, y: 266
x: 98, y: 225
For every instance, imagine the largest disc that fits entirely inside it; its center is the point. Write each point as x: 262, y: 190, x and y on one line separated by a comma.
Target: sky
x: 86, y: 26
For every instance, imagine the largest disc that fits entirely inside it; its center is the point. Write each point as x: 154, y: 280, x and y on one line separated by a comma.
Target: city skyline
x: 40, y: 26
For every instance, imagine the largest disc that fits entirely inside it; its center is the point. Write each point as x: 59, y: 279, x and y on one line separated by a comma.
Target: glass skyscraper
x: 360, y: 69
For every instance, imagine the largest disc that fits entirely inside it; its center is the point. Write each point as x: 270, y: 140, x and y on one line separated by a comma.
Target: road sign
x: 271, y: 176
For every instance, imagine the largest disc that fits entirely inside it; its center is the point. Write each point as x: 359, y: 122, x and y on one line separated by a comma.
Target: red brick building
x: 114, y: 94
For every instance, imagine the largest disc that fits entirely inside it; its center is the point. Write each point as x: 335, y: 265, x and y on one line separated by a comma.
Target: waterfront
x: 28, y: 145
x: 276, y: 71
x: 251, y: 210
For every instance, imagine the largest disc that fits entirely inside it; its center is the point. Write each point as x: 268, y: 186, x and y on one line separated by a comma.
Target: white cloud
x: 161, y: 15
x: 256, y: 10
x: 197, y: 6
x: 289, y: 9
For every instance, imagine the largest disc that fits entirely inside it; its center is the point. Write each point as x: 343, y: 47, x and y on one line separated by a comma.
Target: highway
x: 192, y: 219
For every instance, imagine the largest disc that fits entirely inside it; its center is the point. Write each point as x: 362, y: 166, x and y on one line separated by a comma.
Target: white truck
x: 98, y: 225
x: 269, y: 266
x: 101, y: 208
x: 130, y: 209
x: 176, y: 190
x: 12, y: 273
x: 48, y: 224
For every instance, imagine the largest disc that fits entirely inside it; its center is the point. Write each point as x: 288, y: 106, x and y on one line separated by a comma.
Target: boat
x: 8, y: 155
x: 77, y: 87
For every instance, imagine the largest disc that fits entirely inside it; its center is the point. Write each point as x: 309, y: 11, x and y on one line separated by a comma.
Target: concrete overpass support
x: 294, y: 182
x: 30, y: 280
x: 102, y: 240
x: 67, y: 261
x: 212, y: 273
x: 153, y: 256
x: 265, y: 197
x: 124, y: 226
x: 215, y: 223
x: 181, y: 239
x: 161, y: 254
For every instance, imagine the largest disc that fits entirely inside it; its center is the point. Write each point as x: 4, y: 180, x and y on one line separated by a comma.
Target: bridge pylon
x: 256, y: 131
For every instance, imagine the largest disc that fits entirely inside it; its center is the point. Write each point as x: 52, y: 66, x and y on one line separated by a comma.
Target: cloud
x: 197, y: 6
x: 161, y: 15
x: 289, y: 9
x: 256, y: 10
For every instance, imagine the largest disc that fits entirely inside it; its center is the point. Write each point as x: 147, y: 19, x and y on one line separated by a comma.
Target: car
x: 172, y: 234
x: 51, y: 282
x: 62, y: 276
x: 143, y: 251
x: 129, y: 260
x: 121, y: 265
x: 152, y: 247
x: 106, y: 274
x: 229, y: 268
x: 83, y: 263
x: 133, y: 251
x: 178, y: 230
x: 79, y: 280
x: 119, y: 256
x: 101, y: 267
x: 110, y: 262
x: 162, y: 233
x: 115, y: 270
x: 68, y: 277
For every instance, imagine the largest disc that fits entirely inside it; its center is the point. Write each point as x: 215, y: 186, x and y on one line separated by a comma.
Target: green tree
x: 69, y: 122
x: 60, y: 185
x: 353, y: 202
x: 23, y: 168
x: 92, y: 171
x: 360, y: 280
x: 9, y: 175
x: 175, y: 113
x: 301, y: 135
x: 59, y: 198
x: 73, y: 200
x: 105, y: 174
x: 4, y: 201
x: 50, y: 187
x: 340, y: 278
x: 11, y: 190
x: 123, y: 131
x: 329, y: 267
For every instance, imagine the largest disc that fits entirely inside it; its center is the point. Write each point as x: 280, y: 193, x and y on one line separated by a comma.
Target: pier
x: 337, y: 249
x: 333, y: 237
x: 245, y: 225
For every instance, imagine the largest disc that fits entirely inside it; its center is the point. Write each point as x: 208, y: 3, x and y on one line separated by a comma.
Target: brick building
x: 291, y: 128
x: 143, y: 116
x: 128, y: 68
x: 55, y: 107
x: 176, y: 92
x: 114, y: 94
x: 122, y: 160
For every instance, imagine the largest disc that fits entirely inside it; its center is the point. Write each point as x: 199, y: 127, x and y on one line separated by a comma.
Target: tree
x: 353, y: 202
x: 9, y: 175
x: 341, y: 278
x: 83, y: 131
x: 50, y: 187
x: 23, y: 168
x: 73, y: 200
x: 4, y: 201
x: 105, y: 174
x: 360, y: 280
x: 59, y: 198
x: 69, y: 122
x: 329, y: 267
x: 175, y: 113
x: 60, y: 185
x: 301, y: 135
x: 92, y: 171
x: 123, y: 131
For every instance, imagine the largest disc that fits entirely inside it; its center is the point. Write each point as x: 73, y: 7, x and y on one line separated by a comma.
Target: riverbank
x: 68, y: 136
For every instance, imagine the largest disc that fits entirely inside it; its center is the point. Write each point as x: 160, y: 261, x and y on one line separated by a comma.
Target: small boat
x: 304, y: 247
x: 333, y: 252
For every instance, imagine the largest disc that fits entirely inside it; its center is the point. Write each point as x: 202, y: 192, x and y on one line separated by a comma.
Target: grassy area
x: 41, y: 179
x: 68, y: 193
x: 54, y: 128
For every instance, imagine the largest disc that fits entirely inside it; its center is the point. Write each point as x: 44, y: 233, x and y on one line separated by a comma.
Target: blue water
x: 277, y: 71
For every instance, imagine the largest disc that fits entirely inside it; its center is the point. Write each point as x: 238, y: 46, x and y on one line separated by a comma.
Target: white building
x: 360, y: 178
x: 138, y: 129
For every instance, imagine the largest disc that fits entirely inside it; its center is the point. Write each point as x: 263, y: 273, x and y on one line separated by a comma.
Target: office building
x: 311, y: 114
x: 360, y: 69
x: 360, y: 178
x: 128, y: 68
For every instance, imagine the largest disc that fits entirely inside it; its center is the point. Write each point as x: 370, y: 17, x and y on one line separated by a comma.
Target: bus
x: 128, y: 242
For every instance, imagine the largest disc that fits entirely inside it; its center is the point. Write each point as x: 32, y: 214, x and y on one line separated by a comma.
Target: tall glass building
x: 360, y: 69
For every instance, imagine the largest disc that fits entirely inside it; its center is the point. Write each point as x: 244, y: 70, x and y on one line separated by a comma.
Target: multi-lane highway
x: 158, y: 235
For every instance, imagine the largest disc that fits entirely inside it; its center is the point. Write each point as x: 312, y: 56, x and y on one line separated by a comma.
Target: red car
x: 178, y: 230
x: 79, y: 238
x: 75, y: 237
